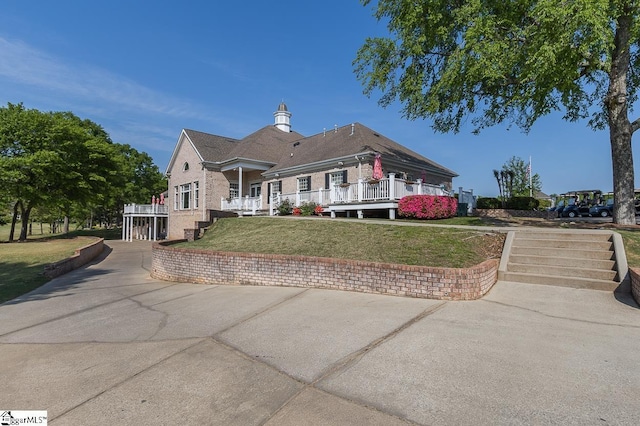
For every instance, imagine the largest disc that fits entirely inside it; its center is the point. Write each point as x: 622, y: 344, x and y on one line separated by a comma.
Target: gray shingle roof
x: 342, y: 143
x: 211, y: 147
x: 271, y: 145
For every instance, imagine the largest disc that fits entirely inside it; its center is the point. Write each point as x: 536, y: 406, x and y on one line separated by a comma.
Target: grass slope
x: 411, y: 245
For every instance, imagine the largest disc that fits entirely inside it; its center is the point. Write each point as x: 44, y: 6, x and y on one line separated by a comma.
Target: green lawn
x: 22, y: 264
x: 412, y: 245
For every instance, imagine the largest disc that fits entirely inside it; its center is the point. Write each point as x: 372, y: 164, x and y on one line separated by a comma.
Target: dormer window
x: 185, y: 167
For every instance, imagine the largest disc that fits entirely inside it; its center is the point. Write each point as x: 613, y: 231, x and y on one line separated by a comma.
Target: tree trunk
x: 620, y: 130
x: 66, y: 225
x: 14, y: 219
x: 25, y: 223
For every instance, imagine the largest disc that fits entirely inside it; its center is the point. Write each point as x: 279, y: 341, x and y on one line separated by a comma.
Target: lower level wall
x: 81, y: 257
x: 210, y: 267
x: 634, y: 273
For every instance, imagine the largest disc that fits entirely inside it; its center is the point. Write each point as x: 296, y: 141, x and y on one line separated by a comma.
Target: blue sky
x: 144, y: 70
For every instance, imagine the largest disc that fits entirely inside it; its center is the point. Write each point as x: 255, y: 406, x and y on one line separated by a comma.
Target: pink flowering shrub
x: 427, y: 206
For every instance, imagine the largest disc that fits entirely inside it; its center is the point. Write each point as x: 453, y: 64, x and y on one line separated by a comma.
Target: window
x: 335, y: 178
x: 176, y: 198
x: 304, y: 184
x: 185, y: 166
x: 196, y: 195
x: 234, y: 190
x: 185, y: 196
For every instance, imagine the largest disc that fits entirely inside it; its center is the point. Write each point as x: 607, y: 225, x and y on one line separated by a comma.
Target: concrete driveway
x: 106, y: 344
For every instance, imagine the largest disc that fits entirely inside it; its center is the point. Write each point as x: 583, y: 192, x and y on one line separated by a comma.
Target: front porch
x: 382, y: 194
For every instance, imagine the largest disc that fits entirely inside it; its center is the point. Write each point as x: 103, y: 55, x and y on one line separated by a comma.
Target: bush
x: 307, y: 209
x: 522, y: 203
x: 285, y: 207
x: 488, y: 203
x: 427, y: 207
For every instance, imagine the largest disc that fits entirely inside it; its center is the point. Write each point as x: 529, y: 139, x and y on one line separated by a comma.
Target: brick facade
x: 210, y: 267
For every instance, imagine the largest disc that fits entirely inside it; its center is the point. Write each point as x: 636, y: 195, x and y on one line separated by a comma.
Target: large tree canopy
x: 57, y: 162
x: 512, y: 61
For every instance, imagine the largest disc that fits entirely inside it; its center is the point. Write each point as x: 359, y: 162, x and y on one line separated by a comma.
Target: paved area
x: 107, y: 344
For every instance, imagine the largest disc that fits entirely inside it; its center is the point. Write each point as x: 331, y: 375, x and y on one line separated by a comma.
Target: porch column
x: 419, y: 186
x: 124, y: 226
x: 360, y: 192
x: 392, y: 186
x: 155, y: 227
x: 240, y: 182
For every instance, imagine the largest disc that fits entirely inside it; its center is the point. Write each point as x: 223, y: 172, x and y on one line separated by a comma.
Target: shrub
x: 522, y: 203
x: 309, y: 208
x: 488, y: 203
x: 427, y: 207
x: 297, y: 211
x: 285, y: 207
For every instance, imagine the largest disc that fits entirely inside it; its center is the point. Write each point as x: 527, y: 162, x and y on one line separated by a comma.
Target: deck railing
x: 244, y: 204
x: 388, y: 189
x: 146, y: 209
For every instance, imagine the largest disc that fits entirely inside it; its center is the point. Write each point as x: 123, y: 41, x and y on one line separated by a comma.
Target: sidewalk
x: 109, y: 344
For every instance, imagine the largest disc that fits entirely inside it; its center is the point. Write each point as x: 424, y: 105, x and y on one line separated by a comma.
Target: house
x: 210, y: 173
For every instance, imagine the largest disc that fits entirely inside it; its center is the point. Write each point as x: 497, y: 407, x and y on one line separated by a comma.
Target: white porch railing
x: 388, y: 189
x: 146, y: 209
x: 245, y: 204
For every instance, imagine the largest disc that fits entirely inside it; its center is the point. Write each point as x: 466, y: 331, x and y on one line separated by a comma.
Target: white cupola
x: 283, y: 118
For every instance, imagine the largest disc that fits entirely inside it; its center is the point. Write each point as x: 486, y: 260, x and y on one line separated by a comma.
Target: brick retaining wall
x: 82, y: 256
x: 634, y: 273
x: 507, y: 213
x: 211, y: 267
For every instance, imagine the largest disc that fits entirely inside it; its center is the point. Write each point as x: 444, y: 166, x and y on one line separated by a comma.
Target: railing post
x: 392, y: 186
x: 419, y: 186
x: 360, y: 189
x: 297, y: 199
x: 320, y: 201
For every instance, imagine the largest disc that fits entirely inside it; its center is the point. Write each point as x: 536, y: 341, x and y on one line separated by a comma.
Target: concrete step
x: 574, y: 282
x: 562, y: 243
x: 561, y: 271
x: 575, y: 236
x: 579, y: 253
x: 575, y: 262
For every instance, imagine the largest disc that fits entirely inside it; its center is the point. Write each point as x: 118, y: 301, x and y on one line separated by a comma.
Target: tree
x: 513, y: 61
x: 519, y: 173
x: 51, y: 160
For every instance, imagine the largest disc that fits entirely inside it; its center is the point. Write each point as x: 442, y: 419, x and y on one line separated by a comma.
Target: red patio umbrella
x: 377, y: 167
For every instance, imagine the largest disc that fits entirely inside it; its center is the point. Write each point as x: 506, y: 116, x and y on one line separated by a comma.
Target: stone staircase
x: 580, y: 259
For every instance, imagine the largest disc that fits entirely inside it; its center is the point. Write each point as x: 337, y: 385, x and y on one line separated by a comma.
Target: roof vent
x: 335, y: 128
x: 353, y: 128
x: 296, y: 143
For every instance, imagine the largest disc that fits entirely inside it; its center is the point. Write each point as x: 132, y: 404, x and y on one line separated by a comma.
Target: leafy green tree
x: 519, y: 172
x: 512, y: 61
x: 51, y: 160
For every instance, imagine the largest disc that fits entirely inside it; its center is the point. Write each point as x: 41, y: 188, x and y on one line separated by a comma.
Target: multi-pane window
x: 336, y: 178
x: 196, y: 194
x: 276, y: 187
x: 304, y: 184
x: 234, y: 190
x: 185, y: 196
